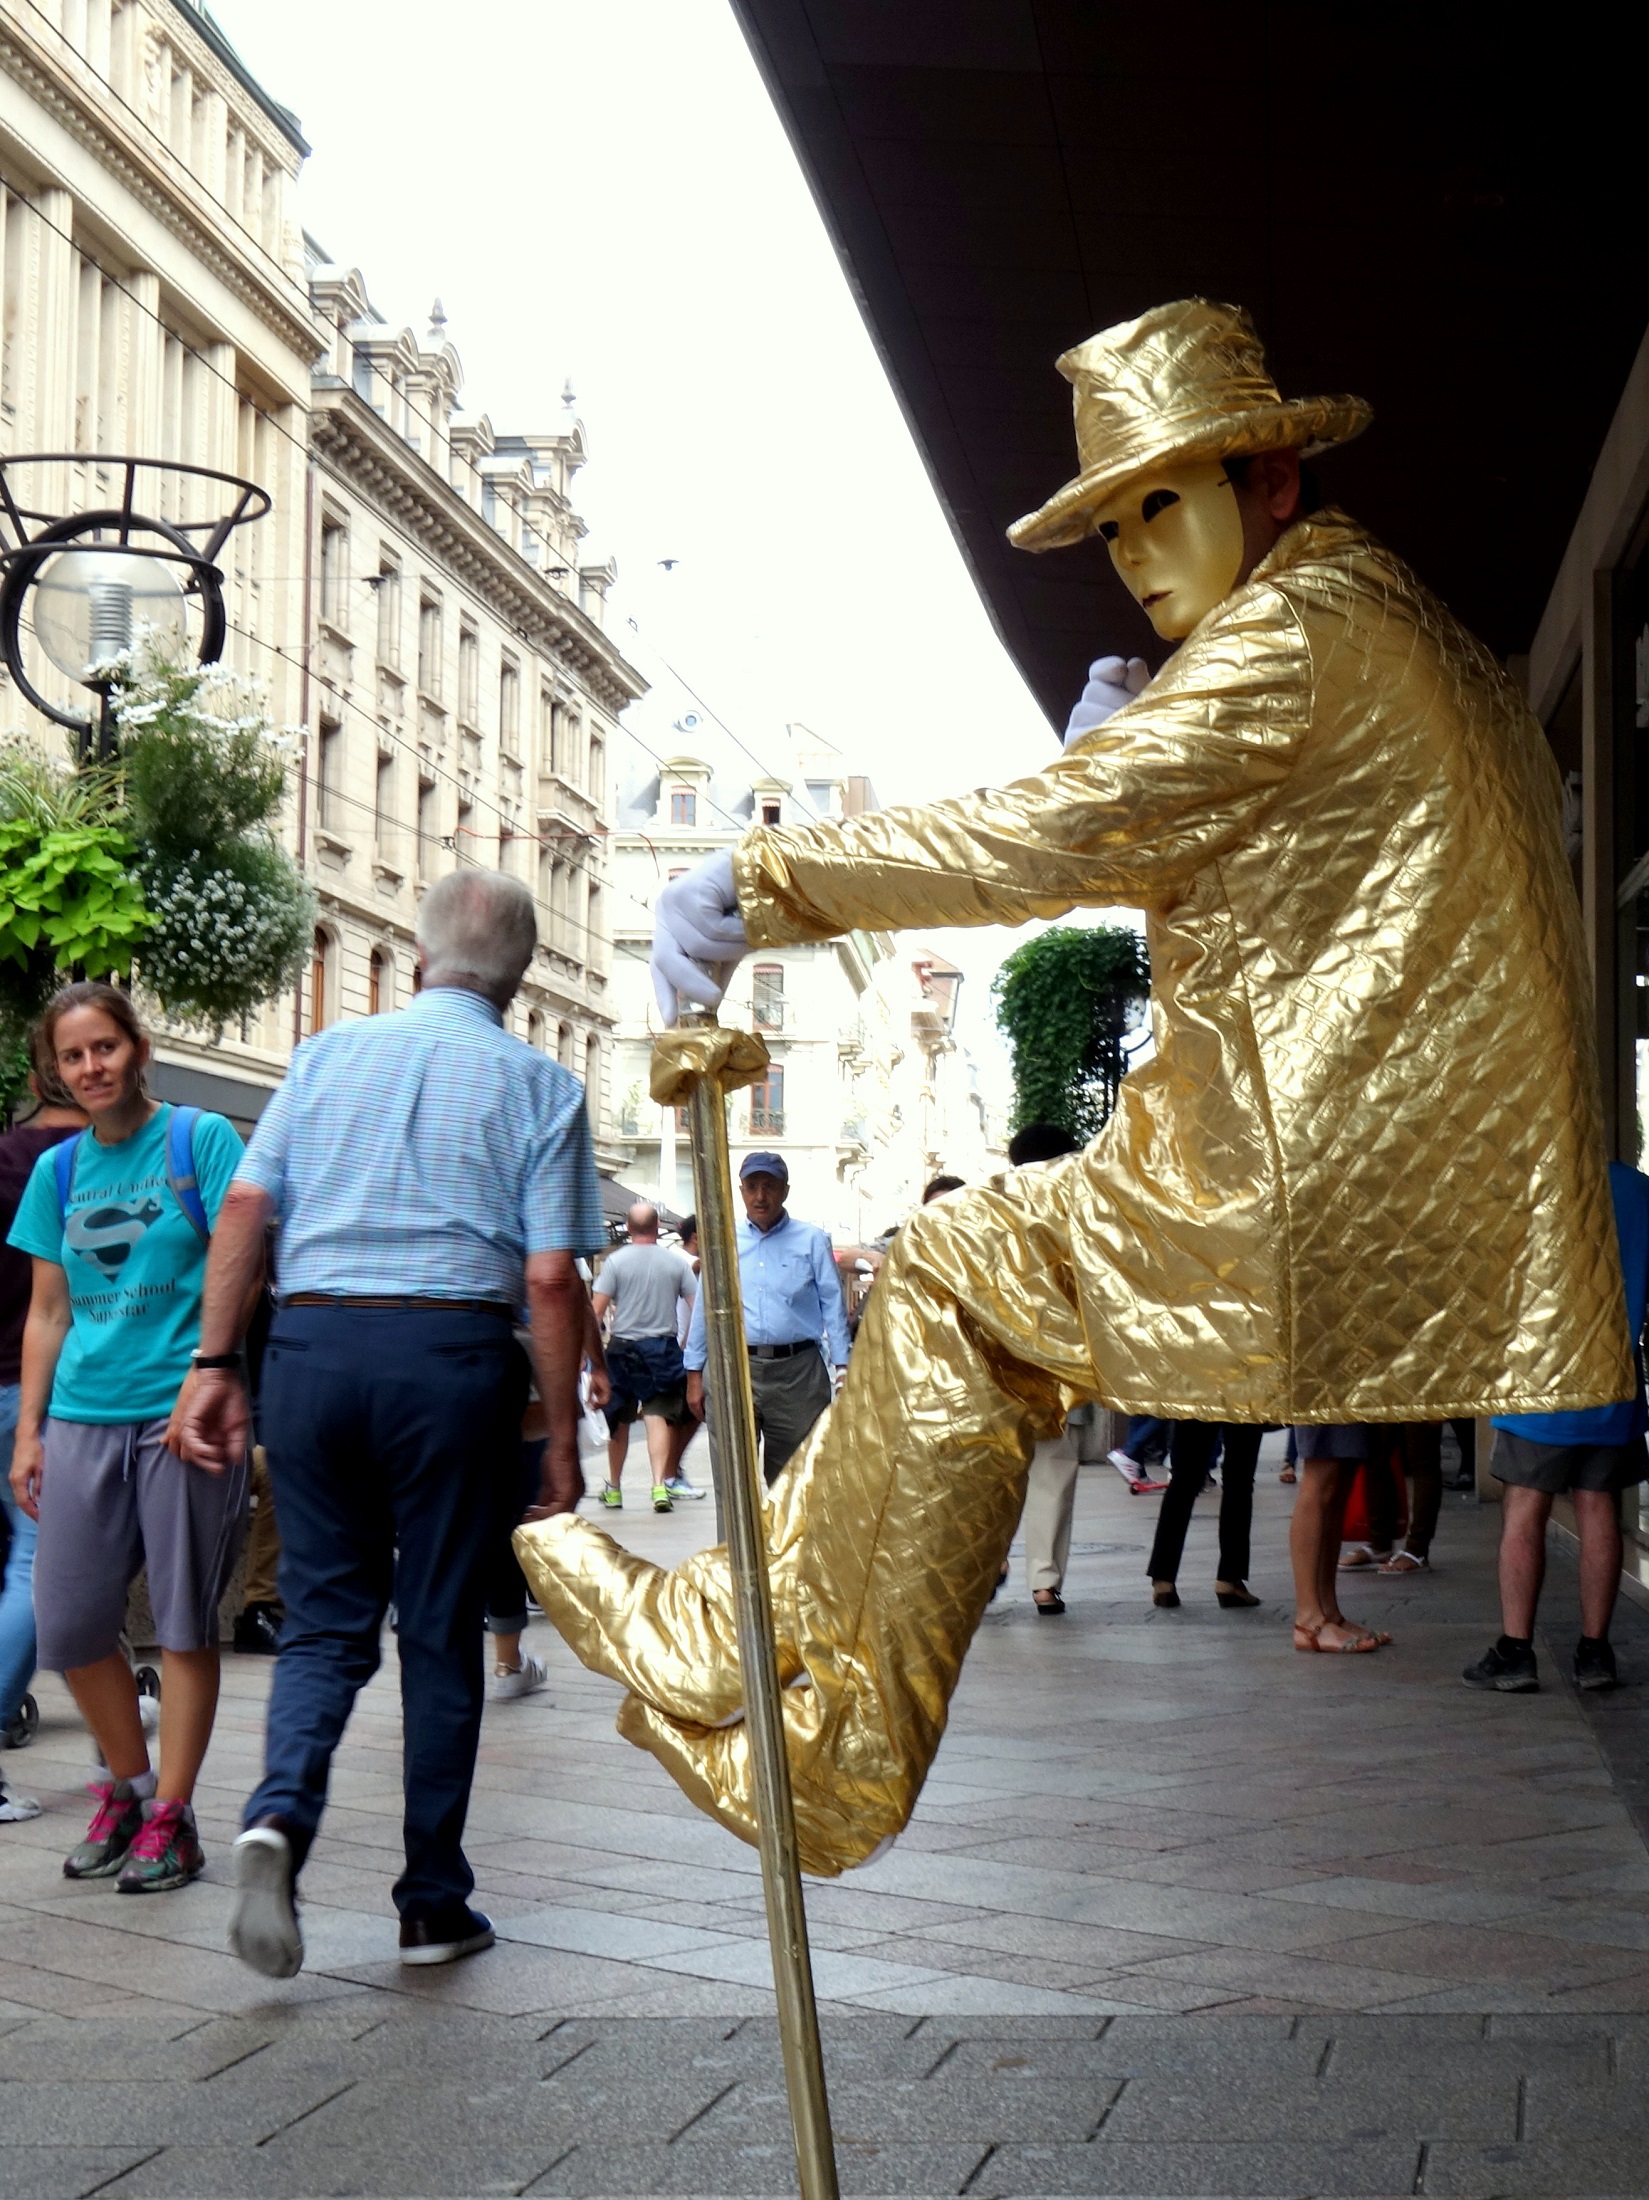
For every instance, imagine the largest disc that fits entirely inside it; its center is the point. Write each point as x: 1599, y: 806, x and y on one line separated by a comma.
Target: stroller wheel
x: 24, y: 1726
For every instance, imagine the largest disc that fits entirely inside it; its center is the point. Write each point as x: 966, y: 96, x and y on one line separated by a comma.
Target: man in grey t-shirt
x: 642, y: 1286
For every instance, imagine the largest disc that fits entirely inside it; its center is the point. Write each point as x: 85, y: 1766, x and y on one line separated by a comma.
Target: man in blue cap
x: 792, y: 1306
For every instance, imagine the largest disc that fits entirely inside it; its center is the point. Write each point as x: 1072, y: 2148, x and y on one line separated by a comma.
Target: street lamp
x: 96, y: 581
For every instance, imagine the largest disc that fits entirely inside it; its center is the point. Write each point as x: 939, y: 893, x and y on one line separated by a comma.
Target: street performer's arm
x: 1126, y: 815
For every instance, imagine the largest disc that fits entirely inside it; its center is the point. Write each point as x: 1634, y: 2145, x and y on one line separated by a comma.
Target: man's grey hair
x: 478, y: 929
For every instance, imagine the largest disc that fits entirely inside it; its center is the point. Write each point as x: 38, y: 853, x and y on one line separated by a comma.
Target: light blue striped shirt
x: 425, y: 1154
x: 790, y: 1288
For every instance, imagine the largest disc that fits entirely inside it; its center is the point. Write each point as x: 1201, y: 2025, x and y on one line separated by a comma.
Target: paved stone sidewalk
x: 1180, y: 1912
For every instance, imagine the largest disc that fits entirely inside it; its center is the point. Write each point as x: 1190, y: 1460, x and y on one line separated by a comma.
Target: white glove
x: 1111, y: 683
x: 698, y: 936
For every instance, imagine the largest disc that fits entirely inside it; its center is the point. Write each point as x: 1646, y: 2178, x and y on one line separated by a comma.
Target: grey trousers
x: 790, y: 1395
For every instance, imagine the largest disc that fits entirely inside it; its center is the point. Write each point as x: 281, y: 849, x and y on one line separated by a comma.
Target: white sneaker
x: 1130, y: 1469
x: 679, y: 1486
x: 263, y: 1925
x: 14, y: 1808
x: 527, y: 1677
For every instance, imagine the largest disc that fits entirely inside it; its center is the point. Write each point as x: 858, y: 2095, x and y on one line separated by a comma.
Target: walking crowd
x: 414, y: 1389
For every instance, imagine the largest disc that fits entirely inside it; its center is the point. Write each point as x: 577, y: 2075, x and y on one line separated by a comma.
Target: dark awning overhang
x: 1439, y: 208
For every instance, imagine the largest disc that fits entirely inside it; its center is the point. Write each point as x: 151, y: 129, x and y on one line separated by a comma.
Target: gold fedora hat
x: 1183, y: 382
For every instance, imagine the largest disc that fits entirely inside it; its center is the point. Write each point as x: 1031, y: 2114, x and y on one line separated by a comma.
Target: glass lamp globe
x: 89, y: 605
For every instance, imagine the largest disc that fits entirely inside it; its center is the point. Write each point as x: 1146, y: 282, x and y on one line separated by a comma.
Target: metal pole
x: 729, y: 1378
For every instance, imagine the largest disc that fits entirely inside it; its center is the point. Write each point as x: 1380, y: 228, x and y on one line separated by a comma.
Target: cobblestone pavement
x: 1180, y: 1913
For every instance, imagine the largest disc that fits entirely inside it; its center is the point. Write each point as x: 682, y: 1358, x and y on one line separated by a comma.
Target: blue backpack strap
x: 180, y: 1169
x: 63, y: 1154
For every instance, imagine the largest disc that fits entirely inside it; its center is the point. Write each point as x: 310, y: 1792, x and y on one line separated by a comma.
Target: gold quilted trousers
x: 885, y: 1535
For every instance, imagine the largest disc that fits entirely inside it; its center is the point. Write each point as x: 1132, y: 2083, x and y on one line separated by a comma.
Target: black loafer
x: 1051, y: 1606
x: 258, y: 1632
x: 444, y: 1939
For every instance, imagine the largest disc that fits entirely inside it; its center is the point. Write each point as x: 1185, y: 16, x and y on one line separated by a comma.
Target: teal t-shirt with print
x: 135, y: 1265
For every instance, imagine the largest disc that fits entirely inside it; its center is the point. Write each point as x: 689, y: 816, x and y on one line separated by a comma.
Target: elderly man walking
x: 430, y: 1173
x: 792, y: 1305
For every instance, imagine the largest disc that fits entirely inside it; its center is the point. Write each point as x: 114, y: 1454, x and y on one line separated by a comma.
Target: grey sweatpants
x: 113, y: 1499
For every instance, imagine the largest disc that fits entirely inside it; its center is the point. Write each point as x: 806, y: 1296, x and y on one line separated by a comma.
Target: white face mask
x: 1175, y: 535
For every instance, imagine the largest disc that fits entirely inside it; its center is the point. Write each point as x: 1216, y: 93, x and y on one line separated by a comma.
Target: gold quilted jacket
x: 1363, y: 1177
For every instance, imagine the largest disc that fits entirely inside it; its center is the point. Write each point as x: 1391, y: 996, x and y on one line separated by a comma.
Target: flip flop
x: 1406, y: 1562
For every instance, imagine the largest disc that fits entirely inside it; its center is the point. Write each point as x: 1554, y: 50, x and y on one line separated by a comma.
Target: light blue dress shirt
x: 790, y: 1290
x: 425, y: 1154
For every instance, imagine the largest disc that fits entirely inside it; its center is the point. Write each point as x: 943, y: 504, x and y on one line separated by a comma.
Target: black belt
x: 781, y: 1351
x: 499, y: 1307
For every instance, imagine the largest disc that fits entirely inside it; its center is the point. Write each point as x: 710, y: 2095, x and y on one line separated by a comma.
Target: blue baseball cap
x: 764, y: 1164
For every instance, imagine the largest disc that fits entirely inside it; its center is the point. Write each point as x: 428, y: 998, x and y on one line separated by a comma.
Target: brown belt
x: 499, y: 1307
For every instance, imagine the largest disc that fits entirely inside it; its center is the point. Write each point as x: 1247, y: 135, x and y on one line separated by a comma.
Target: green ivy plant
x: 68, y: 899
x: 69, y: 893
x: 1064, y: 1002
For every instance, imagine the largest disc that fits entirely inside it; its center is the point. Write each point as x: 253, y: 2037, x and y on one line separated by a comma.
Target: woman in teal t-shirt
x: 117, y: 1223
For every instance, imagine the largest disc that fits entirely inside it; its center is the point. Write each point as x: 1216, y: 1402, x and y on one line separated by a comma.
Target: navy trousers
x: 387, y: 1432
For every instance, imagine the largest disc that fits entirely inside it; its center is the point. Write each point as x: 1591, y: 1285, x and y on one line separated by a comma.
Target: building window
x: 509, y: 705
x: 379, y: 985
x: 335, y: 572
x: 535, y: 1030
x: 463, y: 840
x: 383, y: 805
x: 555, y: 719
x: 593, y: 938
x: 564, y: 1046
x: 592, y: 1071
x: 770, y: 813
x: 389, y: 612
x: 429, y: 647
x: 429, y: 828
x: 321, y: 1006
x: 683, y: 806
x: 767, y: 1102
x: 597, y: 782
x: 329, y: 776
x: 767, y: 996
x: 469, y: 675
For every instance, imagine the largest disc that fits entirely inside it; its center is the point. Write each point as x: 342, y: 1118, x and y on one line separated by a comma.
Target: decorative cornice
x: 88, y: 120
x: 349, y: 436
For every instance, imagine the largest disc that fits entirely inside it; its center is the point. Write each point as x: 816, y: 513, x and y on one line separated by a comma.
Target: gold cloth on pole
x: 1362, y: 1179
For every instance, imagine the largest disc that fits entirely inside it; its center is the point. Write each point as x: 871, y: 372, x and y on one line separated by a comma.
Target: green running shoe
x: 663, y: 1502
x: 115, y: 1825
x: 166, y: 1853
x: 611, y: 1498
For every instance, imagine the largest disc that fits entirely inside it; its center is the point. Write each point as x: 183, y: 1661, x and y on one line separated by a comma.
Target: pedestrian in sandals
x: 117, y: 1221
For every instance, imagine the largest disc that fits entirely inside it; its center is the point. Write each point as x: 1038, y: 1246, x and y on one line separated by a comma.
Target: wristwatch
x: 214, y: 1359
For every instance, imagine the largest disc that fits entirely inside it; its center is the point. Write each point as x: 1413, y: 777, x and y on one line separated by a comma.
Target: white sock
x: 142, y: 1785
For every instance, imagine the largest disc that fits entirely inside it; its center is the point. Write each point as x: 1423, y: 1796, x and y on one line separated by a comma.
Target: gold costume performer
x: 1362, y: 1179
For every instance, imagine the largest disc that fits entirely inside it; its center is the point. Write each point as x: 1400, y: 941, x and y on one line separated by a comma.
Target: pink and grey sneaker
x: 115, y: 1825
x: 166, y: 1853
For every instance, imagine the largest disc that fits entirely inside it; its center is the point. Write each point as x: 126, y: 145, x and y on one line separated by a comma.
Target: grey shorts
x: 1557, y: 1468
x: 1333, y: 1440
x: 113, y: 1499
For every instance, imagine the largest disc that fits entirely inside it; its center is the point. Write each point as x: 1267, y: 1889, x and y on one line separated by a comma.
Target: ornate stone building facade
x: 152, y: 302
x: 418, y: 600
x: 463, y: 697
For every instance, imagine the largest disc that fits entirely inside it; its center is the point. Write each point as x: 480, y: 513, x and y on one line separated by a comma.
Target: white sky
x: 604, y: 191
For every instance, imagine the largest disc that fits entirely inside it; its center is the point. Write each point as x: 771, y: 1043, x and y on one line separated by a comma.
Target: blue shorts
x: 1344, y: 1440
